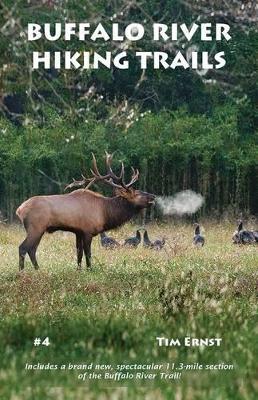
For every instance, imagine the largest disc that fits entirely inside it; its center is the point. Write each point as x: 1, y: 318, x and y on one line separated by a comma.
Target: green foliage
x: 67, y: 91
x: 181, y: 128
x: 187, y: 146
x: 113, y: 314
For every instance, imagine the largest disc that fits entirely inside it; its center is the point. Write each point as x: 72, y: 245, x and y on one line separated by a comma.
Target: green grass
x: 113, y: 314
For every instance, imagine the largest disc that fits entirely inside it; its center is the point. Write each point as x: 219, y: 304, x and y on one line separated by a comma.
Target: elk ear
x: 126, y: 193
x: 119, y: 192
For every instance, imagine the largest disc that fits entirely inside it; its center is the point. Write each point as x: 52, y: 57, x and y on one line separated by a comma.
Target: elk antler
x: 78, y: 183
x: 135, y: 177
x: 110, y: 178
x: 95, y: 172
x: 120, y: 179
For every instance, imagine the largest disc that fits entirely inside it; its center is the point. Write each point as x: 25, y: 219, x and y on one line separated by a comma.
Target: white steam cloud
x: 185, y: 202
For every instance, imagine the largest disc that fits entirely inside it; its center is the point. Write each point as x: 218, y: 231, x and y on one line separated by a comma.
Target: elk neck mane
x: 83, y: 192
x: 118, y: 211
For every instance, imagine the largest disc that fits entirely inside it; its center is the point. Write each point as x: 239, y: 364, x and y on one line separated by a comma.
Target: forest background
x: 183, y: 129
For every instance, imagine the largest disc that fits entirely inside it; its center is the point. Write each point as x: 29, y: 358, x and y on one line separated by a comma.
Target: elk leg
x: 87, y: 249
x: 79, y: 248
x: 27, y: 246
x: 22, y: 254
x: 32, y: 252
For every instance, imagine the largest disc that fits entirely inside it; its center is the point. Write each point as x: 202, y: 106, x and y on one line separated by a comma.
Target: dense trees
x: 182, y: 128
x: 174, y: 151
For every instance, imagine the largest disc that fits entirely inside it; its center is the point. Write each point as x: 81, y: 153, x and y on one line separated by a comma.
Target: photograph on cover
x: 128, y: 199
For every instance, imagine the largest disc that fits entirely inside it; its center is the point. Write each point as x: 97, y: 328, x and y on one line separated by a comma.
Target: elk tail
x: 18, y: 213
x: 21, y: 212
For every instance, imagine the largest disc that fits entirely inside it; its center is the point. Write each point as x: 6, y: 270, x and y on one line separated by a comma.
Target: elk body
x: 83, y: 212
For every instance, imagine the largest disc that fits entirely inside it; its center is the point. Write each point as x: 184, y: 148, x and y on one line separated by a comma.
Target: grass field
x: 114, y: 313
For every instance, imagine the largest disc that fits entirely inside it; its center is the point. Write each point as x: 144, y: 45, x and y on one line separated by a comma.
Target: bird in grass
x: 198, y: 239
x: 146, y: 240
x: 108, y: 242
x: 158, y: 244
x: 133, y: 241
x: 255, y: 233
x: 243, y: 236
x: 236, y: 234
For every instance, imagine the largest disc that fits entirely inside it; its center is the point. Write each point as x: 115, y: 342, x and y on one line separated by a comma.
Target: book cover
x: 128, y: 199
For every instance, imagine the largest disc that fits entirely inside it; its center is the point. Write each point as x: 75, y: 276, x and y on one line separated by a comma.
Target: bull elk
x: 81, y: 211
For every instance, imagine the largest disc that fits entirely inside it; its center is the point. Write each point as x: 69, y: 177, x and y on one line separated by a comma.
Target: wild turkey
x: 156, y: 245
x: 242, y: 236
x: 236, y: 234
x: 146, y: 240
x: 247, y: 237
x: 256, y: 236
x: 133, y: 241
x: 198, y: 239
x: 108, y: 242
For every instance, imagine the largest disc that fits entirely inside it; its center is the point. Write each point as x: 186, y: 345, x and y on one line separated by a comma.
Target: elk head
x: 136, y: 197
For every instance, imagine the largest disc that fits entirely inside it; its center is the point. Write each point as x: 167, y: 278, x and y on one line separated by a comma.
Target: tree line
x: 183, y: 129
x: 174, y: 151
